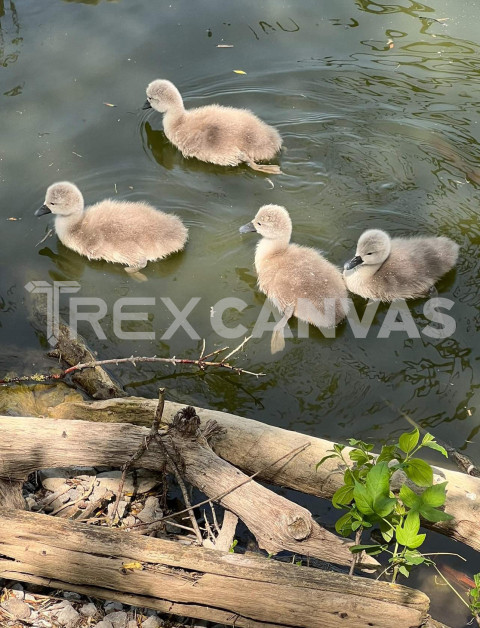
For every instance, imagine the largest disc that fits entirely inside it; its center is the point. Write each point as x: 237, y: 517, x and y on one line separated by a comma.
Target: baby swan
x: 385, y: 269
x: 220, y: 135
x: 116, y: 231
x: 297, y: 279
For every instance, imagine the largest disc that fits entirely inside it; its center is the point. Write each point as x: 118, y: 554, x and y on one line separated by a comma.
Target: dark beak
x: 42, y: 210
x: 356, y: 261
x: 147, y: 105
x: 247, y: 228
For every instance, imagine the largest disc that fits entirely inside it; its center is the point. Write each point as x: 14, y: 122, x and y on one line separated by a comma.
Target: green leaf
x: 427, y: 439
x: 383, y: 506
x: 407, y: 535
x: 419, y: 472
x: 387, y: 453
x: 412, y: 524
x: 344, y: 525
x: 360, y: 548
x: 433, y: 514
x: 387, y: 531
x: 437, y: 447
x: 356, y: 525
x: 404, y: 571
x: 342, y: 497
x: 348, y: 478
x: 408, y: 441
x: 377, y: 481
x: 338, y: 448
x: 417, y: 541
x: 358, y: 456
x: 323, y: 460
x: 413, y: 558
x: 408, y: 497
x: 371, y: 550
x: 363, y: 500
x: 434, y: 495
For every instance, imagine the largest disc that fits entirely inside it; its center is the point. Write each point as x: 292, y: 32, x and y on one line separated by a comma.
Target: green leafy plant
x: 367, y: 496
x: 474, y: 598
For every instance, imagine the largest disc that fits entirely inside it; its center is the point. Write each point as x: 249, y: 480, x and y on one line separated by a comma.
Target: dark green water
x: 378, y: 108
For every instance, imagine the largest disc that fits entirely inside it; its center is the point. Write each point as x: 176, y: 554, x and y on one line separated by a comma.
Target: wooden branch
x: 28, y: 444
x: 97, y: 383
x: 249, y: 445
x: 193, y: 581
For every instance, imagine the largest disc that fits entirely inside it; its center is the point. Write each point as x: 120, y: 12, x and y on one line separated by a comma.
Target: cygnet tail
x: 277, y: 343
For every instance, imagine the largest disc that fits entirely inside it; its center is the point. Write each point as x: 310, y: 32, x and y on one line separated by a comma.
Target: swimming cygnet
x: 220, y: 135
x: 297, y: 279
x: 385, y: 269
x: 130, y: 233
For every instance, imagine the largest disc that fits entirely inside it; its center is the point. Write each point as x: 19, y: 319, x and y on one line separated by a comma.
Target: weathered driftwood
x: 28, y: 444
x: 96, y: 382
x: 193, y: 581
x: 251, y: 445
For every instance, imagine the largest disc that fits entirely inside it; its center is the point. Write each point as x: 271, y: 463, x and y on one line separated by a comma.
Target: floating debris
x: 109, y: 104
x: 239, y: 72
x: 224, y: 45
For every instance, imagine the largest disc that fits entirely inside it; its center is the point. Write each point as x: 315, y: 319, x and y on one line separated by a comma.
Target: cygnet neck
x: 268, y: 247
x: 175, y: 112
x: 64, y: 224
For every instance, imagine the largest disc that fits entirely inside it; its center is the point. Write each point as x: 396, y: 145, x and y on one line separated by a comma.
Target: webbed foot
x: 267, y: 168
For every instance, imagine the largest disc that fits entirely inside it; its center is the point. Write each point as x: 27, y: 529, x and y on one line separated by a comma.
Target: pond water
x: 378, y: 107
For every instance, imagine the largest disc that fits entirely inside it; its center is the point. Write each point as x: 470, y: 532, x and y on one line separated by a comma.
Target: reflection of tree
x: 427, y: 375
x: 379, y: 7
x: 9, y: 34
x: 7, y: 306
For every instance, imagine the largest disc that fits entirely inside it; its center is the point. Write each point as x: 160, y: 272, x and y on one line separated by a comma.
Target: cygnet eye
x: 259, y: 223
x: 368, y: 253
x: 52, y: 203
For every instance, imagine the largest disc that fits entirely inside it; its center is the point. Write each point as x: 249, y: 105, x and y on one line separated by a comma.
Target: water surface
x: 378, y: 106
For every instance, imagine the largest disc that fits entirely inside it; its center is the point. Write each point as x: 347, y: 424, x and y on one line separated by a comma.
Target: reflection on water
x: 413, y: 8
x: 10, y: 41
x: 378, y: 107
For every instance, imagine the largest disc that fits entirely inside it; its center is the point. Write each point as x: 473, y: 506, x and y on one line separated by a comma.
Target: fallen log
x: 251, y: 446
x: 196, y: 582
x: 29, y: 444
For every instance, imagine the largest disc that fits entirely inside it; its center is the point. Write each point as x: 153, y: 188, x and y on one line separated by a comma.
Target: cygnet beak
x: 356, y: 261
x: 43, y: 210
x: 147, y: 105
x: 247, y: 228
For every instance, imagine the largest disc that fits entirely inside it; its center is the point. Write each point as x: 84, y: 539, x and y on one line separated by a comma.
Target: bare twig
x: 49, y: 233
x: 358, y: 537
x: 220, y: 496
x: 172, y: 465
x: 202, y: 362
x: 141, y: 450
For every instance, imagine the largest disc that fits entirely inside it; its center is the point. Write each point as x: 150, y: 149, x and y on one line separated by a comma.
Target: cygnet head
x: 162, y: 95
x: 272, y: 222
x: 373, y: 248
x: 62, y: 198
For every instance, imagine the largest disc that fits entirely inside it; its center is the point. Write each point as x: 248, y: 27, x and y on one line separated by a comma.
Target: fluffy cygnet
x: 220, y: 135
x: 386, y: 269
x: 297, y: 279
x: 116, y: 231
